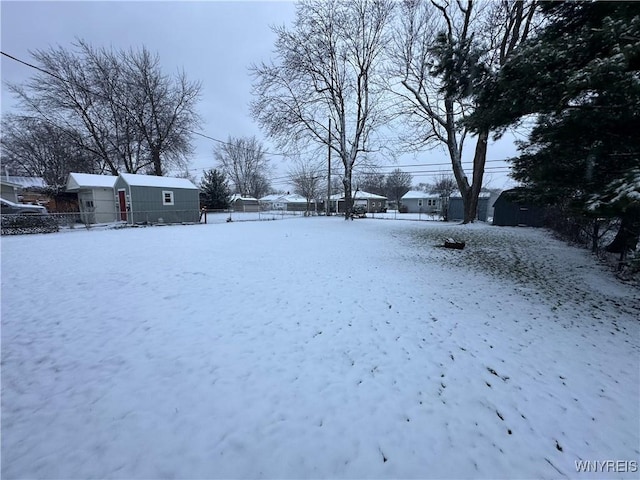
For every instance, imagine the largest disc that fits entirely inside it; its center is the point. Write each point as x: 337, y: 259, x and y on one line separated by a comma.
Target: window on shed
x: 167, y: 197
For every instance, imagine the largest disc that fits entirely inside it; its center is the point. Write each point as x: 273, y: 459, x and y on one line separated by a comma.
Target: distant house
x: 96, y: 199
x: 511, y: 209
x: 154, y: 199
x: 271, y: 202
x: 421, y: 202
x: 241, y: 203
x: 486, y: 200
x: 25, y: 189
x: 372, y: 202
x: 292, y: 203
x: 9, y: 190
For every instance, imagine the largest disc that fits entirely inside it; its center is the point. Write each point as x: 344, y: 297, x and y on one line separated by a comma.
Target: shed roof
x: 237, y: 196
x: 76, y: 181
x: 480, y: 195
x: 157, y: 181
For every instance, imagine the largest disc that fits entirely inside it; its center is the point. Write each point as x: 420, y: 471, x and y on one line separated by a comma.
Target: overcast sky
x: 214, y: 42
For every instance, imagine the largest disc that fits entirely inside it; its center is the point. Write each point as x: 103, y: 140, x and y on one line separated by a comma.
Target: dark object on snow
x: 451, y: 243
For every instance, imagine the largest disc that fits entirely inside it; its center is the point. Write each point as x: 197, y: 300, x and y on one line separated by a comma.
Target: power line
x: 99, y: 95
x: 281, y: 178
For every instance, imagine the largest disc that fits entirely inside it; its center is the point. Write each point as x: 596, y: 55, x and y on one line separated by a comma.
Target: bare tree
x: 372, y: 182
x: 124, y: 109
x: 444, y: 185
x: 397, y: 184
x: 31, y: 147
x: 307, y: 178
x: 325, y: 85
x: 244, y: 162
x: 442, y: 51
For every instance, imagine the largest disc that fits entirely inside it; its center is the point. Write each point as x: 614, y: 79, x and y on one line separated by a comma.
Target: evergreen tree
x: 579, y: 76
x: 215, y: 190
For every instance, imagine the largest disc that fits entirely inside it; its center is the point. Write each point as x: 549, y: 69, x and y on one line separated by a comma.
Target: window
x: 419, y: 203
x: 89, y: 203
x: 167, y: 197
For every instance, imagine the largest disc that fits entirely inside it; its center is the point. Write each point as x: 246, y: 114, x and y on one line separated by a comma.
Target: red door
x: 123, y: 205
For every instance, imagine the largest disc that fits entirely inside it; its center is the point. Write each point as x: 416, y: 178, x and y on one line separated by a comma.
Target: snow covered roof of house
x: 237, y: 196
x: 292, y: 198
x: 271, y: 197
x: 157, y: 181
x: 359, y: 195
x: 25, y: 182
x: 418, y: 194
x: 76, y: 181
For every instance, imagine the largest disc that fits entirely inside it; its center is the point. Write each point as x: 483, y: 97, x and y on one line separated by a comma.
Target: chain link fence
x: 20, y: 224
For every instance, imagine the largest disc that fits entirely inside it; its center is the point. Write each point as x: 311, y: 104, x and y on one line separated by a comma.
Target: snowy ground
x: 315, y: 348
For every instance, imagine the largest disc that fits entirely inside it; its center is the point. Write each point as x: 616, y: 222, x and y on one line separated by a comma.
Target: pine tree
x: 215, y: 190
x: 579, y: 77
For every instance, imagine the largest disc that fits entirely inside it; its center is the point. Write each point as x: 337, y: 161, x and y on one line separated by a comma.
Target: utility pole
x: 328, y: 212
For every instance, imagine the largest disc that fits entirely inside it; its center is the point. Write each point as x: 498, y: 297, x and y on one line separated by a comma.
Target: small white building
x: 96, y: 199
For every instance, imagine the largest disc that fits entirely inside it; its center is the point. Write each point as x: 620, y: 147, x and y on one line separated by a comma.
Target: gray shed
x: 152, y: 199
x: 241, y: 203
x: 512, y: 209
x: 456, y: 207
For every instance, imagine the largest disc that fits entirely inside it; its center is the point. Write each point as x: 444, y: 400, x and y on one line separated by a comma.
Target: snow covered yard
x: 315, y: 348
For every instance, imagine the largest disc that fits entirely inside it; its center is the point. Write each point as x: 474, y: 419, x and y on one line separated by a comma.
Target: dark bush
x: 23, y: 224
x: 403, y: 209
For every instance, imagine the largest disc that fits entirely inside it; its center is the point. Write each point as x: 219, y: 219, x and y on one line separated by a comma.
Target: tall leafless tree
x: 34, y: 148
x: 244, y: 162
x: 307, y: 177
x: 441, y: 51
x: 325, y: 85
x: 124, y: 109
x: 397, y: 184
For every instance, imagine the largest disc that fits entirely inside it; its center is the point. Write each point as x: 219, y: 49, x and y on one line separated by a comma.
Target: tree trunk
x: 157, y: 165
x: 348, y: 197
x: 627, y: 237
x: 479, y: 160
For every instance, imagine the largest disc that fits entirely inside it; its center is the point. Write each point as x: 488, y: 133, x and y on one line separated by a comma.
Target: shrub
x: 23, y: 224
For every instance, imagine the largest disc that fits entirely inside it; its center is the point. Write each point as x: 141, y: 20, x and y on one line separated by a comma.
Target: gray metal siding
x: 456, y: 209
x: 509, y: 213
x: 147, y: 204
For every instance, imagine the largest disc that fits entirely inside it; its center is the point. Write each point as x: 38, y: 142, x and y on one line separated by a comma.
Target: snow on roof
x: 271, y: 197
x: 292, y: 198
x: 481, y: 195
x: 238, y: 196
x: 157, y: 181
x: 417, y: 194
x: 359, y: 195
x: 25, y: 182
x: 76, y: 181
